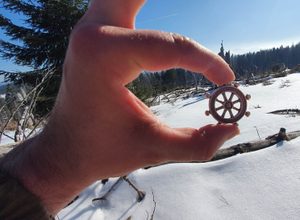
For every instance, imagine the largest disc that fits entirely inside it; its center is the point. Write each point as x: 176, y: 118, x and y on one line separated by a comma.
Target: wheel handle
x: 227, y: 104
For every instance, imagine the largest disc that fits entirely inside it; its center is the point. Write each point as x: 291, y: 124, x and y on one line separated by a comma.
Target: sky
x: 243, y: 26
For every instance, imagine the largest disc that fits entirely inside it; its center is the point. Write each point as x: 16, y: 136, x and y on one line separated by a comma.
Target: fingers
x: 154, y: 50
x: 117, y: 13
x: 151, y: 50
x: 157, y: 50
x: 147, y: 50
x: 186, y: 145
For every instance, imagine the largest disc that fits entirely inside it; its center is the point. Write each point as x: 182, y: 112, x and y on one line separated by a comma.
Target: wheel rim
x: 227, y: 104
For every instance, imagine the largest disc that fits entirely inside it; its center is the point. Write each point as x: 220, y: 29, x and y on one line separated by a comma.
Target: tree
x: 265, y: 61
x: 41, y: 42
x: 142, y: 87
x: 225, y: 54
x: 221, y: 53
x: 227, y: 57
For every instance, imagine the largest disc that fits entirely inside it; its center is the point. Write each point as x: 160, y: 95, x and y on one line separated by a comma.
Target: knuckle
x: 87, y: 38
x: 179, y: 39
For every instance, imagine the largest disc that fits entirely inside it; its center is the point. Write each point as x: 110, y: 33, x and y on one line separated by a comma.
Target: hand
x: 98, y: 128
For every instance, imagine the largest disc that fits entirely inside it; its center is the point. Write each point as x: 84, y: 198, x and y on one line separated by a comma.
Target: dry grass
x: 11, y: 126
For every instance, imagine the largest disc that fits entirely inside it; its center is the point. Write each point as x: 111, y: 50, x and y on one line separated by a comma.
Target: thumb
x: 187, y: 144
x: 119, y: 13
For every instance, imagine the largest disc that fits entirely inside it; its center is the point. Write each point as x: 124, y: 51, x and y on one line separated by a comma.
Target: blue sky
x: 243, y: 25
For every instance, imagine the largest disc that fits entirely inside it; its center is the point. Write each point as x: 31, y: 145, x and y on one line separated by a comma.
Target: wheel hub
x: 228, y: 105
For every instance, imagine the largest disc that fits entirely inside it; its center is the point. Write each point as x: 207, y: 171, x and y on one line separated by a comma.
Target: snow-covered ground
x: 260, y: 185
x: 190, y: 112
x: 7, y: 139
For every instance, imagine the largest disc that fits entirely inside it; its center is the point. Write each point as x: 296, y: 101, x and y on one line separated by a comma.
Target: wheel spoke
x: 224, y: 113
x: 231, y: 114
x: 219, y: 108
x: 218, y: 100
x: 224, y: 96
x: 231, y: 96
x: 236, y: 101
x: 235, y: 108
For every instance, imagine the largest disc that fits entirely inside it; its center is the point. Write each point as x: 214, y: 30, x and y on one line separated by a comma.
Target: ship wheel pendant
x: 227, y: 104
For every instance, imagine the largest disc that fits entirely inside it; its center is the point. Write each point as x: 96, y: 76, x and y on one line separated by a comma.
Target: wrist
x: 16, y: 202
x: 43, y: 168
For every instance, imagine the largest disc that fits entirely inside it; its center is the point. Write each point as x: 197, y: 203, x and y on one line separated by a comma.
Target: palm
x: 101, y: 60
x: 99, y: 129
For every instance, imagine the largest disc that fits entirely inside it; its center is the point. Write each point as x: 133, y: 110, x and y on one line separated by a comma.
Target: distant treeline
x: 265, y: 60
x: 245, y: 66
x: 153, y: 84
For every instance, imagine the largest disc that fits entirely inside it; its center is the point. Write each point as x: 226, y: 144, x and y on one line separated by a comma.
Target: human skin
x: 98, y: 128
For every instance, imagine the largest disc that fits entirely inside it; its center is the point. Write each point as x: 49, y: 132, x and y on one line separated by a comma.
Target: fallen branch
x: 154, y: 207
x: 222, y: 153
x: 104, y: 197
x: 251, y: 146
x: 245, y: 147
x: 140, y: 194
x: 286, y: 112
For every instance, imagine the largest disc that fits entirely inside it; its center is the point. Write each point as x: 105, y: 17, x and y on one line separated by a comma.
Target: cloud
x: 158, y: 18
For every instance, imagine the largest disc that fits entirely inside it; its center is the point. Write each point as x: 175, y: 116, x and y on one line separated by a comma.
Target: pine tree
x: 265, y: 61
x: 221, y: 53
x: 225, y: 54
x: 41, y: 42
x: 228, y: 57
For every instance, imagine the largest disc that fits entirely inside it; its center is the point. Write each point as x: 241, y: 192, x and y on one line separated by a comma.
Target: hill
x: 258, y: 185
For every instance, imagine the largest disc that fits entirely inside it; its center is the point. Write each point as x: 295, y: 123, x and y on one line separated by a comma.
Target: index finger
x: 156, y: 50
x: 188, y: 54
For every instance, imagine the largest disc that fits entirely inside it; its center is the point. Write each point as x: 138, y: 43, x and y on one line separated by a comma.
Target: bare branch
x: 141, y: 195
x: 154, y: 208
x: 33, y: 91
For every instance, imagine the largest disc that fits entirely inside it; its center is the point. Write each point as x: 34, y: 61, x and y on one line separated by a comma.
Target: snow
x: 259, y: 185
x: 7, y: 139
x: 190, y: 112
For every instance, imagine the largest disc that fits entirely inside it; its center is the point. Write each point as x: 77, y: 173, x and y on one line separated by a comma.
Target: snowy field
x: 190, y: 112
x: 260, y: 185
x: 8, y: 138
